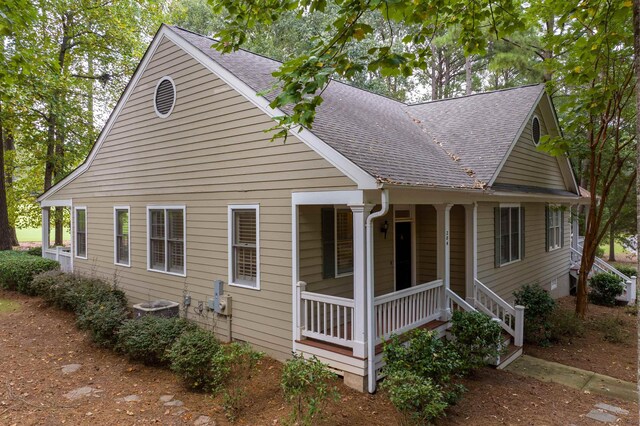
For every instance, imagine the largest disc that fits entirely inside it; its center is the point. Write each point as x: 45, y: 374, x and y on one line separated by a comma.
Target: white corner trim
x: 363, y: 179
x: 115, y: 235
x: 517, y: 138
x: 74, y: 236
x: 155, y: 94
x: 230, y: 233
x: 184, y: 230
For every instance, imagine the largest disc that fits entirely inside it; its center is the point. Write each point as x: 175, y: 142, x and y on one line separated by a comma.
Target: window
x: 535, y: 130
x: 121, y: 236
x: 337, y: 242
x: 509, y: 235
x: 81, y: 232
x: 244, y: 252
x: 554, y: 220
x: 166, y: 245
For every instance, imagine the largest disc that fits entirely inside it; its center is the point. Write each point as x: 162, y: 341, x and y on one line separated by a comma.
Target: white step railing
x: 401, y: 311
x: 457, y: 303
x: 511, y: 318
x: 60, y: 254
x: 326, y: 318
x: 600, y: 266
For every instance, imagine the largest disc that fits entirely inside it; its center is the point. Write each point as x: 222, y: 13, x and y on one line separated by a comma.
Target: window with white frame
x: 166, y: 245
x: 244, y: 248
x: 337, y: 242
x: 81, y: 232
x: 121, y: 236
x: 554, y: 227
x: 509, y: 225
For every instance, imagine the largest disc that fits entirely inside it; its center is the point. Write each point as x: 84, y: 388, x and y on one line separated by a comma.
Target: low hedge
x: 17, y: 270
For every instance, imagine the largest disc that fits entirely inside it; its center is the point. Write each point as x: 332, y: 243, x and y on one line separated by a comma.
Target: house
x: 382, y: 218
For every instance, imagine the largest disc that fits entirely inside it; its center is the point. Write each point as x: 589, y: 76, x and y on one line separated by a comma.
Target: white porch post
x: 359, y: 320
x: 471, y: 240
x: 444, y: 264
x: 45, y: 229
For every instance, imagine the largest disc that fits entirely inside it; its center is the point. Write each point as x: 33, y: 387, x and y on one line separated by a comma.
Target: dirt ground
x: 592, y: 352
x: 36, y: 341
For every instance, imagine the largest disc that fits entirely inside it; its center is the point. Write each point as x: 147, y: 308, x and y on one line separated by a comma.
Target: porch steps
x: 513, y: 353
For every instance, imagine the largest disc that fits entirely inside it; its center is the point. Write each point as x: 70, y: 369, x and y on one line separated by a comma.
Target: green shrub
x: 103, y: 319
x: 34, y: 251
x: 147, y: 339
x: 418, y: 399
x: 564, y: 325
x: 539, y: 307
x: 192, y: 357
x: 307, y: 383
x: 73, y: 291
x: 239, y: 361
x: 18, y: 269
x: 627, y: 270
x: 427, y: 356
x: 477, y: 338
x: 605, y: 288
x: 613, y: 329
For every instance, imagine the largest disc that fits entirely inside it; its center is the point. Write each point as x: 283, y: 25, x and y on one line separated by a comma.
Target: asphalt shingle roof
x: 455, y: 143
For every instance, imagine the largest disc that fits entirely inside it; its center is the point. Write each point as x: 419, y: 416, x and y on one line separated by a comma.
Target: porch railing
x: 60, y: 254
x: 401, y: 311
x: 457, y: 303
x: 326, y: 318
x: 511, y: 318
x: 599, y: 265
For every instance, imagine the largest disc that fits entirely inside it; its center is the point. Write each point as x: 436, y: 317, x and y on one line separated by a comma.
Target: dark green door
x: 403, y: 255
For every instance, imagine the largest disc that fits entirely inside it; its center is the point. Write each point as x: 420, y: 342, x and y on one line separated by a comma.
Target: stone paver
x: 612, y: 409
x: 70, y: 368
x: 202, y: 421
x: 132, y: 398
x: 81, y: 392
x: 166, y: 398
x: 602, y: 416
x: 584, y: 380
x: 174, y: 403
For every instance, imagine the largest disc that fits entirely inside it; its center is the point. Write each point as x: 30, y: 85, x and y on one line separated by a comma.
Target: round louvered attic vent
x: 164, y: 98
x: 535, y: 130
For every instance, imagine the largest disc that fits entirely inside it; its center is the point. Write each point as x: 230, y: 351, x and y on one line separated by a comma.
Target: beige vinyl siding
x: 538, y: 265
x: 457, y: 249
x: 426, y: 243
x: 529, y: 166
x: 209, y: 153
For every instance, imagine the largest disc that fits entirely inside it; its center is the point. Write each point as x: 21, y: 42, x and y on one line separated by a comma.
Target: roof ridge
x: 506, y: 89
x: 280, y: 62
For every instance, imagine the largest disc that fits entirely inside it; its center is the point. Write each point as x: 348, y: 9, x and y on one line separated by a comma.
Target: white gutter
x: 371, y: 326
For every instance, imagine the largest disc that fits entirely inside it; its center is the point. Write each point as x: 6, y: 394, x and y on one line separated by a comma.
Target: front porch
x: 418, y: 260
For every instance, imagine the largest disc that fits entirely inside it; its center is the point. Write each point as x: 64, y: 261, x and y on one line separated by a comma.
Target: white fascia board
x: 56, y: 203
x: 112, y: 118
x: 327, y: 197
x: 363, y: 179
x: 516, y: 139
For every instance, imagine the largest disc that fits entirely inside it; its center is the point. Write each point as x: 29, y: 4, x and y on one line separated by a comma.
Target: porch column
x: 45, y: 229
x: 360, y: 213
x: 471, y: 242
x: 443, y: 253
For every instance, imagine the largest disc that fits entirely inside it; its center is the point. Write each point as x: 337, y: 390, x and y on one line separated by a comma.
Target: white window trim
x: 230, y: 210
x: 175, y: 96
x: 514, y: 205
x: 184, y: 227
x: 535, y: 117
x: 554, y: 208
x: 335, y: 240
x: 115, y: 235
x: 75, y: 233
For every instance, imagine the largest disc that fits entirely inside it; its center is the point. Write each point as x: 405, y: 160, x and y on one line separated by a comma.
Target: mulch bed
x: 36, y: 341
x: 592, y: 352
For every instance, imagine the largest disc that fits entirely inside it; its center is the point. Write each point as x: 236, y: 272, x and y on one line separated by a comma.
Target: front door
x: 403, y: 255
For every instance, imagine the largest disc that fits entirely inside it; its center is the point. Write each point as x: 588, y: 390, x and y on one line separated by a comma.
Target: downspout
x: 371, y: 326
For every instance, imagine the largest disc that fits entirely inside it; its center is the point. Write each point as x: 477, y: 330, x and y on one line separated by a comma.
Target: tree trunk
x: 636, y: 43
x: 467, y: 73
x: 612, y: 245
x: 10, y: 146
x: 5, y: 234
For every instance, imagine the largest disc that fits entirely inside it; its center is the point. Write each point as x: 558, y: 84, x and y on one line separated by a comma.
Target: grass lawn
x: 30, y: 235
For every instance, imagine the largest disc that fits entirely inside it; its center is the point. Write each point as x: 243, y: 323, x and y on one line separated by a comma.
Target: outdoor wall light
x: 384, y: 228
